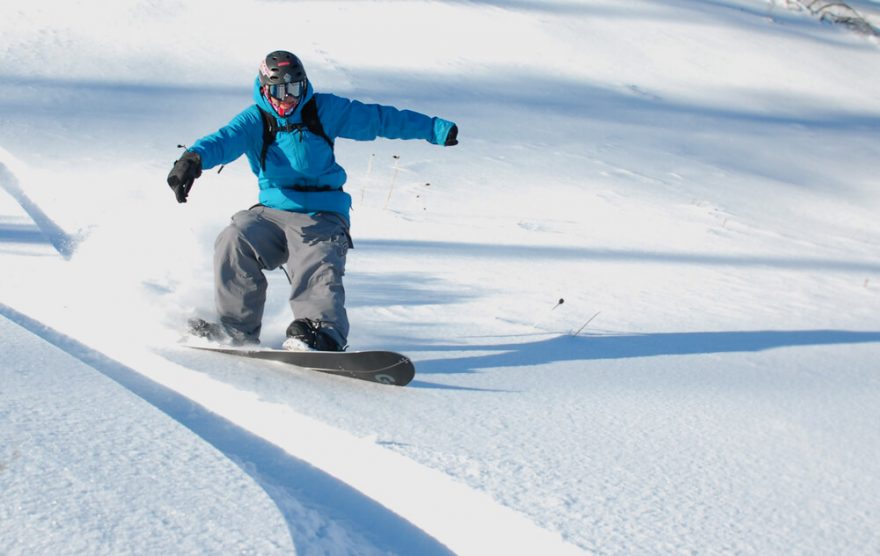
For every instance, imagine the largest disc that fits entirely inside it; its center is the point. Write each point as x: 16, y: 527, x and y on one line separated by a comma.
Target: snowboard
x: 384, y: 367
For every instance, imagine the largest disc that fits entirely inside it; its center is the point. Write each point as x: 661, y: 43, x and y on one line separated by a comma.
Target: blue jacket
x: 304, y: 159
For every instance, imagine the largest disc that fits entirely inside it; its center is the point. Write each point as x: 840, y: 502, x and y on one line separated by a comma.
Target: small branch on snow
x: 393, y: 179
x: 579, y: 330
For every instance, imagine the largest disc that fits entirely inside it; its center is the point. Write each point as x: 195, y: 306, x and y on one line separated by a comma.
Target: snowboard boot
x: 216, y: 333
x: 307, y: 335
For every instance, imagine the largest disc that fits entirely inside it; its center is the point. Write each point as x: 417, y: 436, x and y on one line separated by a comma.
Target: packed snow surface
x: 642, y: 294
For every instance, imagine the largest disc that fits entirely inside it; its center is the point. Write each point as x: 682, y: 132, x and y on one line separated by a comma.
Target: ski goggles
x: 281, y: 91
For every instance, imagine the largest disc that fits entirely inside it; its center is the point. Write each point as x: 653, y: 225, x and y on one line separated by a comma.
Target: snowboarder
x: 302, y: 218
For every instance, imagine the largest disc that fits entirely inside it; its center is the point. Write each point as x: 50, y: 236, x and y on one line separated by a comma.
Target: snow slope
x: 696, y: 179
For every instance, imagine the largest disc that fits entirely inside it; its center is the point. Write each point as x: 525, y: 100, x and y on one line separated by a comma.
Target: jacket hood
x: 263, y: 103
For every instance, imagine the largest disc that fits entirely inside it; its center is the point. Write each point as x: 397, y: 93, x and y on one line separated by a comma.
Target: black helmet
x: 281, y: 67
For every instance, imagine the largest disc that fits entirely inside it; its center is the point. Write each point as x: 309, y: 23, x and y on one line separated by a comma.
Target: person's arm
x: 352, y: 119
x: 221, y: 147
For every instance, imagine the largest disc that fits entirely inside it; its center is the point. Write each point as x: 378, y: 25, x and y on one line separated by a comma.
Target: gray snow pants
x: 261, y: 238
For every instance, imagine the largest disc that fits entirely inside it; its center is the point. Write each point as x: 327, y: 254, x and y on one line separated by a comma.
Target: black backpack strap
x: 309, y: 117
x: 313, y: 123
x: 270, y: 128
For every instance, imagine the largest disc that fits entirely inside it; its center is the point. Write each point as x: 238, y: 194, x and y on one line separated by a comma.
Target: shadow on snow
x: 11, y: 232
x: 590, y: 254
x: 47, y: 231
x: 592, y: 348
x: 287, y: 480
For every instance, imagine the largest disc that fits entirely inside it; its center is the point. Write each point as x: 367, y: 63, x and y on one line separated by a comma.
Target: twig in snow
x: 393, y: 179
x: 586, y: 323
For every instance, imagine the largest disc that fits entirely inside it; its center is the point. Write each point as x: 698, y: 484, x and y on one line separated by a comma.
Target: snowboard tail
x: 384, y: 367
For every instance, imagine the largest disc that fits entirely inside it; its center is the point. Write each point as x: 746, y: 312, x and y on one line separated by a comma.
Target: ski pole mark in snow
x: 323, y: 514
x: 59, y: 239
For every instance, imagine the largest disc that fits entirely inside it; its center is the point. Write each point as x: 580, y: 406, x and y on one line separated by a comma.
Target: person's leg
x: 318, y: 245
x: 250, y: 244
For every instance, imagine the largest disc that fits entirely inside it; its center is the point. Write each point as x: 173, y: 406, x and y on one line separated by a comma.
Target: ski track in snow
x: 84, y: 465
x: 345, y: 499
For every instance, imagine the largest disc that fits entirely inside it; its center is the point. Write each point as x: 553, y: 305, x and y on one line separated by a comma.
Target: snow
x: 76, y: 450
x: 696, y: 179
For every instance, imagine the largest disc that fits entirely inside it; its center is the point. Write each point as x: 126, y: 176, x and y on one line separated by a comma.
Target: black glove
x: 185, y: 171
x: 452, y: 136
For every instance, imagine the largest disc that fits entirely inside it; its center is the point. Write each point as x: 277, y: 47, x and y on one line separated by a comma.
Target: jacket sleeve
x: 230, y: 141
x: 352, y: 119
